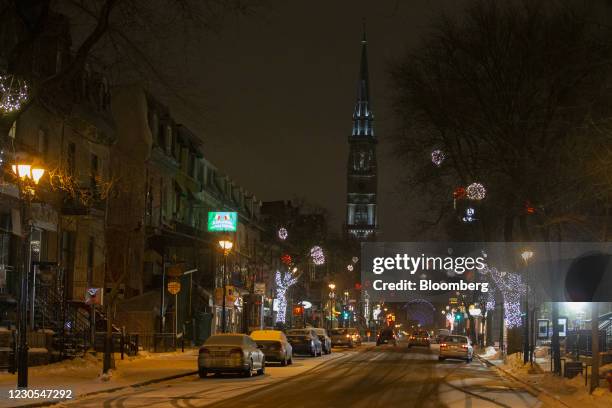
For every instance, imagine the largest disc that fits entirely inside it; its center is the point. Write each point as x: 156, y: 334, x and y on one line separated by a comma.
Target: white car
x: 231, y: 353
x: 458, y: 347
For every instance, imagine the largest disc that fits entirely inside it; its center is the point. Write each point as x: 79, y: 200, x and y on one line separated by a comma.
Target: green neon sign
x: 222, y: 221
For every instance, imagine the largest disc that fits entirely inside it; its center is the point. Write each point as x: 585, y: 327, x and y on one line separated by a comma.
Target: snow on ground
x: 573, y: 391
x: 489, y: 353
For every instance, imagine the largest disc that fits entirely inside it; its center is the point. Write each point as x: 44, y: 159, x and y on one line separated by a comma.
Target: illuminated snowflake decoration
x: 437, y: 157
x: 476, y: 191
x: 316, y: 253
x: 283, y: 283
x: 282, y: 233
x: 355, y: 259
x: 13, y: 93
x: 349, y: 267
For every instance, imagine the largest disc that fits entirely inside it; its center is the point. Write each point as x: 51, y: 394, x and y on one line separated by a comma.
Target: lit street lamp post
x: 332, y: 295
x: 526, y: 255
x: 226, y: 245
x: 27, y: 179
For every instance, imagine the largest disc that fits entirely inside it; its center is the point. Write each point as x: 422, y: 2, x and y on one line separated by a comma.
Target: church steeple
x: 361, y: 217
x: 362, y: 115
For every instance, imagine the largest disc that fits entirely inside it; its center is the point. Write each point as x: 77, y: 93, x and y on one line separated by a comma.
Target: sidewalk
x: 82, y: 375
x: 561, y: 391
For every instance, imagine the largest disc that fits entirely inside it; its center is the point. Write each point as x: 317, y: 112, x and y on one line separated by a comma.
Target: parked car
x: 326, y: 343
x: 419, y: 338
x: 456, y: 347
x: 274, y: 345
x: 230, y: 353
x: 349, y: 337
x: 386, y: 335
x: 305, y: 341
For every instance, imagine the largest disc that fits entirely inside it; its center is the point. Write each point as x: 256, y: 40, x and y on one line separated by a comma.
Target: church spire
x: 362, y: 115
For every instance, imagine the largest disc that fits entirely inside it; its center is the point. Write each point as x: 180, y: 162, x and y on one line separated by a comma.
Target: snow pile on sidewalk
x: 489, y: 353
x: 572, y: 392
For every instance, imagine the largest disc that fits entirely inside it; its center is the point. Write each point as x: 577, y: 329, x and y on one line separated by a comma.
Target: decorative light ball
x: 349, y: 267
x: 286, y: 259
x: 437, y: 157
x: 476, y: 191
x: 13, y: 93
x: 459, y: 193
x: 316, y: 253
x: 282, y: 233
x: 355, y: 259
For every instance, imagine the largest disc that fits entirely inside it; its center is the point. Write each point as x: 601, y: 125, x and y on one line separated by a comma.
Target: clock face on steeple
x: 361, y: 168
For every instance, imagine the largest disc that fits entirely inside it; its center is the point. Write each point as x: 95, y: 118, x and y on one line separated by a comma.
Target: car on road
x: 419, y: 338
x: 230, y: 353
x: 442, y: 333
x: 386, y: 335
x: 348, y: 337
x: 274, y: 345
x: 459, y: 347
x: 305, y: 341
x: 326, y: 343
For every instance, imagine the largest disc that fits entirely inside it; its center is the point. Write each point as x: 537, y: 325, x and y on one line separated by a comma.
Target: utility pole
x: 594, y: 346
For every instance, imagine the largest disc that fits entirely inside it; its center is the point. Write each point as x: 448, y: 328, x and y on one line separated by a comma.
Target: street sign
x: 174, y: 287
x: 93, y: 296
x: 222, y: 221
x: 259, y: 288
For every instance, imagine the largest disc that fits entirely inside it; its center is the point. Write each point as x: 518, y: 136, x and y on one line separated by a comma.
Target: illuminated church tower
x: 361, y: 219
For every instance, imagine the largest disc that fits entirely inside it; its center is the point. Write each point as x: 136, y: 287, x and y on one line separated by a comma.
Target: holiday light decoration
x: 355, y: 259
x: 529, y: 209
x: 476, y: 191
x: 469, y: 215
x: 283, y: 283
x: 282, y: 233
x: 13, y: 93
x: 459, y: 193
x: 437, y: 157
x: 316, y: 253
x: 512, y: 290
x: 349, y: 267
x: 286, y: 259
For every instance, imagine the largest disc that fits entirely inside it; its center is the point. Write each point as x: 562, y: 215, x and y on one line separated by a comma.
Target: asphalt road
x: 383, y: 376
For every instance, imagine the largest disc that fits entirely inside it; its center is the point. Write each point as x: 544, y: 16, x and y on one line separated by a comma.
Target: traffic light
x: 458, y: 317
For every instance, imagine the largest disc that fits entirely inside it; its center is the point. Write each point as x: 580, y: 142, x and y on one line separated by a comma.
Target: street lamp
x: 27, y: 177
x: 332, y: 295
x: 527, y: 356
x: 226, y: 245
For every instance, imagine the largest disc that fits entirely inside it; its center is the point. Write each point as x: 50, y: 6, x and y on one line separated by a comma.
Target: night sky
x: 275, y: 94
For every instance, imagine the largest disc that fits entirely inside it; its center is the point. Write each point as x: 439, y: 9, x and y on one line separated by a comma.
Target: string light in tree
x: 283, y: 283
x: 476, y: 191
x: 437, y: 157
x: 13, y: 93
x: 282, y: 233
x: 316, y: 253
x: 512, y: 290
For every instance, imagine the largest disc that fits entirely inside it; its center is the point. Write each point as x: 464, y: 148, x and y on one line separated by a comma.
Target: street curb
x: 107, y: 390
x: 530, y: 387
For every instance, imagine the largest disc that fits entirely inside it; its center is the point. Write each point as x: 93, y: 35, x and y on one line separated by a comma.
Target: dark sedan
x: 305, y: 341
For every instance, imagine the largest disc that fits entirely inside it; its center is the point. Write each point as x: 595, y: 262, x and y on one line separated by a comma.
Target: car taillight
x: 464, y: 346
x: 204, y: 350
x: 443, y: 345
x: 348, y: 336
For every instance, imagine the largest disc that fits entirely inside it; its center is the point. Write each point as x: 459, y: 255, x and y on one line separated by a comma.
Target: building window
x: 13, y: 130
x: 71, y: 159
x: 90, y: 260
